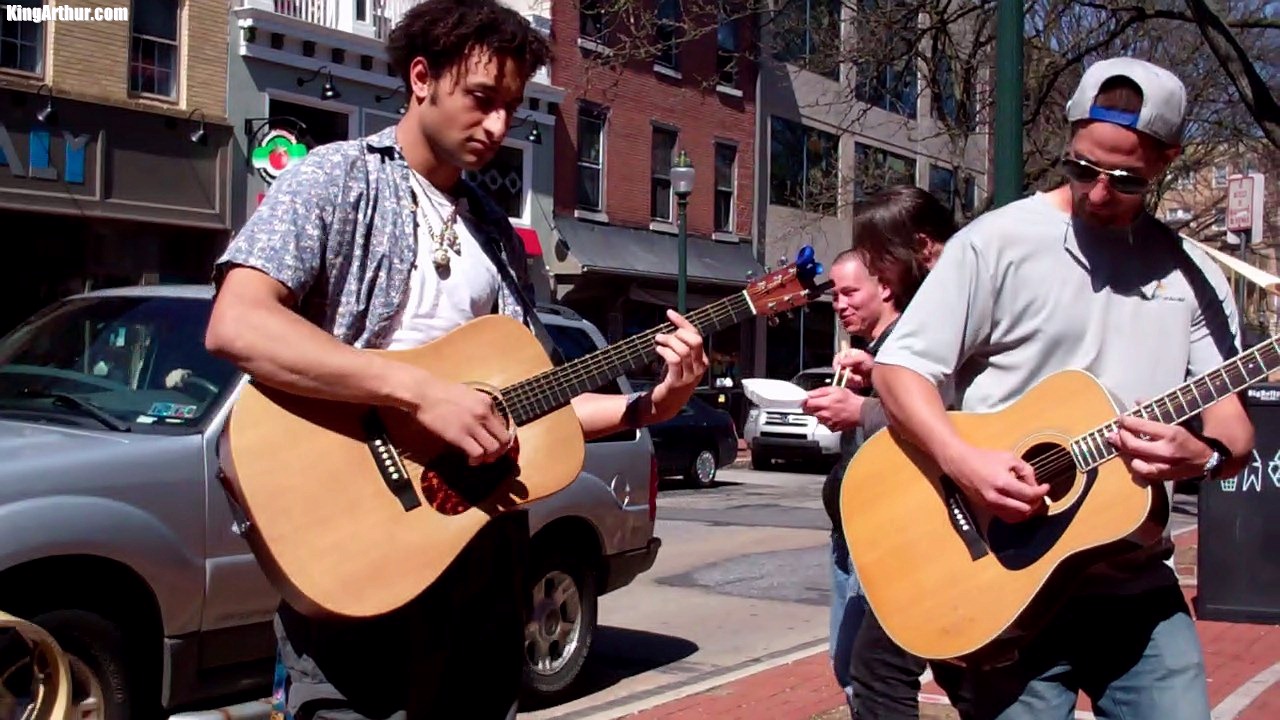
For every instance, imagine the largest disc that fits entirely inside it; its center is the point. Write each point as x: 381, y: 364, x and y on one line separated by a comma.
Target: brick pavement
x: 1239, y: 658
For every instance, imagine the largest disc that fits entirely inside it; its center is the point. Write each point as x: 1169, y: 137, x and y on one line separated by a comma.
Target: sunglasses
x: 1122, y: 181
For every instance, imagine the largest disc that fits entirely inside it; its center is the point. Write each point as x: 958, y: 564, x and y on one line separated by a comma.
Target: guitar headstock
x: 788, y: 287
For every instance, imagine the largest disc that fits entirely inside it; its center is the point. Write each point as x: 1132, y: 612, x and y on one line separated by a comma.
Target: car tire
x: 101, y: 673
x: 760, y: 461
x: 702, y: 469
x: 562, y: 627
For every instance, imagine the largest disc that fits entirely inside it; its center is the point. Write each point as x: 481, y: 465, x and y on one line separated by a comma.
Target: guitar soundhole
x: 1053, y: 465
x: 451, y: 486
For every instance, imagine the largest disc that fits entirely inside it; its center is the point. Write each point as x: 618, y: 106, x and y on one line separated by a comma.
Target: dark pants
x: 1135, y: 657
x: 456, y: 651
x: 886, y: 678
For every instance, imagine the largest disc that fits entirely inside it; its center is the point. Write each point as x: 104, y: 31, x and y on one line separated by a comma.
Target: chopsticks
x: 841, y: 378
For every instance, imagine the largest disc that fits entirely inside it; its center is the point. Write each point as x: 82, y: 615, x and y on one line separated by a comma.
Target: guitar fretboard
x: 1092, y: 449
x: 552, y: 389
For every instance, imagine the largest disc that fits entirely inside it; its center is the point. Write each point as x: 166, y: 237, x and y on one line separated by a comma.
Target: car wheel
x: 562, y: 625
x: 760, y: 461
x: 103, y: 686
x: 702, y: 470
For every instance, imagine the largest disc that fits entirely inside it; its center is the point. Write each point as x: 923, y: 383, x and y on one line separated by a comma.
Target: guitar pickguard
x: 1020, y: 545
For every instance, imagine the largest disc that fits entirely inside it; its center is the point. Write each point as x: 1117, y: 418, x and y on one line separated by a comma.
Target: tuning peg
x: 782, y: 261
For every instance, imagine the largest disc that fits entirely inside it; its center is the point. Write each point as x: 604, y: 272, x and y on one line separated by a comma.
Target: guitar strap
x: 492, y: 243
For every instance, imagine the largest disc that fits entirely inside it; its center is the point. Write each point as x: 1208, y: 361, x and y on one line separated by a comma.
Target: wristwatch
x: 1220, y: 454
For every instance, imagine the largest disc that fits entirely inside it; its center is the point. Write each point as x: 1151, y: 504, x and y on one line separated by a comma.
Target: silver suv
x: 116, y: 536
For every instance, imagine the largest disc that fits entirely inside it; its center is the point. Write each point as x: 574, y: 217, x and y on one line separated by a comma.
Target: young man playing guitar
x: 897, y: 235
x: 380, y: 243
x: 1080, y: 277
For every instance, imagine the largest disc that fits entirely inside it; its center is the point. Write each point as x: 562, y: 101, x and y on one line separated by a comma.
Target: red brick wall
x: 634, y: 96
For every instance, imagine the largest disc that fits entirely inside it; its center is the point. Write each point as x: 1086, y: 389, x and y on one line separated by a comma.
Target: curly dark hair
x: 445, y: 32
x: 886, y: 230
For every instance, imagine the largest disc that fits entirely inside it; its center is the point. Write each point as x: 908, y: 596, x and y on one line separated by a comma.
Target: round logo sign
x: 275, y: 152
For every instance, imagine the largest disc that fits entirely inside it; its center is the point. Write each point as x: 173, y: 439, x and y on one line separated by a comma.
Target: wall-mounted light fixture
x: 327, y: 91
x: 198, y: 135
x: 535, y: 134
x: 47, y: 114
x: 382, y: 98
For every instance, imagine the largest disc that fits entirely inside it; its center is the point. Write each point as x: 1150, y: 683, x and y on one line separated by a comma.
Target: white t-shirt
x: 443, y: 299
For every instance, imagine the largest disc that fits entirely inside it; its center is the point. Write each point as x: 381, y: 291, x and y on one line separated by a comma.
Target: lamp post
x: 682, y: 186
x: 1008, y: 111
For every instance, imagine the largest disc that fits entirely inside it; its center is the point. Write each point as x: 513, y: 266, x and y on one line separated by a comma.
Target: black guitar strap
x: 492, y: 242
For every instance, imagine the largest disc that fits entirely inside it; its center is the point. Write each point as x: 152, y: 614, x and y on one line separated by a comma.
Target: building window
x: 22, y: 43
x: 506, y: 180
x: 727, y: 50
x: 661, y: 155
x: 888, y: 82
x: 942, y: 183
x: 667, y: 34
x: 726, y: 165
x: 591, y: 19
x: 808, y: 35
x: 804, y: 166
x: 1220, y: 173
x: 878, y: 169
x: 591, y: 159
x: 969, y: 201
x: 153, y: 52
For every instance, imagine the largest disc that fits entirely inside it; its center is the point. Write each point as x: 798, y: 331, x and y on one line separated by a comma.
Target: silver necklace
x: 447, y: 238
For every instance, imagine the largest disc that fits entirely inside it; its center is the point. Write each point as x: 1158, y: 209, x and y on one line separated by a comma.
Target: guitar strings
x: 590, y: 365
x: 1061, y: 458
x: 526, y: 397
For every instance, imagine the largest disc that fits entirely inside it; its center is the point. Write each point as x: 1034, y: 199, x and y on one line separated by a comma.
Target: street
x: 741, y: 585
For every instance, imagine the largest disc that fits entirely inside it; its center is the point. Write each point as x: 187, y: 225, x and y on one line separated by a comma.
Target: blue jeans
x: 1136, y: 657
x: 848, y: 607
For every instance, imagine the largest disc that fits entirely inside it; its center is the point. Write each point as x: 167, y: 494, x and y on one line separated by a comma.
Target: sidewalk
x: 1242, y: 661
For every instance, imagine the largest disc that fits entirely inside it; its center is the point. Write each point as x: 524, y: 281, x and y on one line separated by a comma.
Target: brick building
x: 618, y: 133
x: 114, y: 146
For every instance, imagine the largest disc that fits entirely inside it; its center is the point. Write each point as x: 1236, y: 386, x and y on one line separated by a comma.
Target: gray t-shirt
x: 1025, y: 291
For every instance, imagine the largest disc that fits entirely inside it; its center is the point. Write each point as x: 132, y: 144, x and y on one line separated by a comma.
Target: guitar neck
x: 551, y: 390
x: 1185, y: 401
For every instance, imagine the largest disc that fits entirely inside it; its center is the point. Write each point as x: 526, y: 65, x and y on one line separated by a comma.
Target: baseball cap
x: 1164, y: 98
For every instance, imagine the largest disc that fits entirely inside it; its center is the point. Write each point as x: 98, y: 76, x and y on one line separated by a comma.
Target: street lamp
x: 682, y: 186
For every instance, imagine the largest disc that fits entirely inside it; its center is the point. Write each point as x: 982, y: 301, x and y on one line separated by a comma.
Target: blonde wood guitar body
x: 329, y: 531
x: 950, y: 582
x: 353, y: 512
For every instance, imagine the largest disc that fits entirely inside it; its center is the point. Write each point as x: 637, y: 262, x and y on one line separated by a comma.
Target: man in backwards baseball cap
x: 1111, y: 174
x: 1080, y: 277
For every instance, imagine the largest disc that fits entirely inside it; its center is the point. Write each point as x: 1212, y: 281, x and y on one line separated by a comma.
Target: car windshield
x: 126, y: 363
x: 812, y: 380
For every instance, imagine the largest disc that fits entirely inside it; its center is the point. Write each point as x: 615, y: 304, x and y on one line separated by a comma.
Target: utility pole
x: 1007, y: 136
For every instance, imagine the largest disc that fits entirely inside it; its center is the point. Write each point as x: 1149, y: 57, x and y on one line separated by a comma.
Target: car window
x: 574, y: 342
x: 812, y: 380
x: 139, y: 360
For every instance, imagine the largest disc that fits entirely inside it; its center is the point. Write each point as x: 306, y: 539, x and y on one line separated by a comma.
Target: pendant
x: 441, y: 257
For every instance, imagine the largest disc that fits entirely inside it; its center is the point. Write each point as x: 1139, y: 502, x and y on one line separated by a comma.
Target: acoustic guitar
x: 353, y: 511
x: 949, y: 581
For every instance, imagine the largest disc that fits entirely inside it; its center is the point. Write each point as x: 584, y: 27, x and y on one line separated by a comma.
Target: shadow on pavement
x: 620, y: 653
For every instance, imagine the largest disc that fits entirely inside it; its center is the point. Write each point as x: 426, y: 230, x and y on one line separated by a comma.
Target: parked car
x: 787, y: 433
x: 116, y: 535
x: 694, y: 444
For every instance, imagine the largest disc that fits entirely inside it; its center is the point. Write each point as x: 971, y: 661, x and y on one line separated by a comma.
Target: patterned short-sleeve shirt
x: 339, y: 230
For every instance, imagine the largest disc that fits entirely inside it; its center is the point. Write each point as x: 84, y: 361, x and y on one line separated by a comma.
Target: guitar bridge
x: 962, y: 520
x: 388, y: 461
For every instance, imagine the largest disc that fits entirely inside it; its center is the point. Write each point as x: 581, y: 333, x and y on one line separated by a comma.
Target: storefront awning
x: 646, y: 253
x: 532, y: 246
